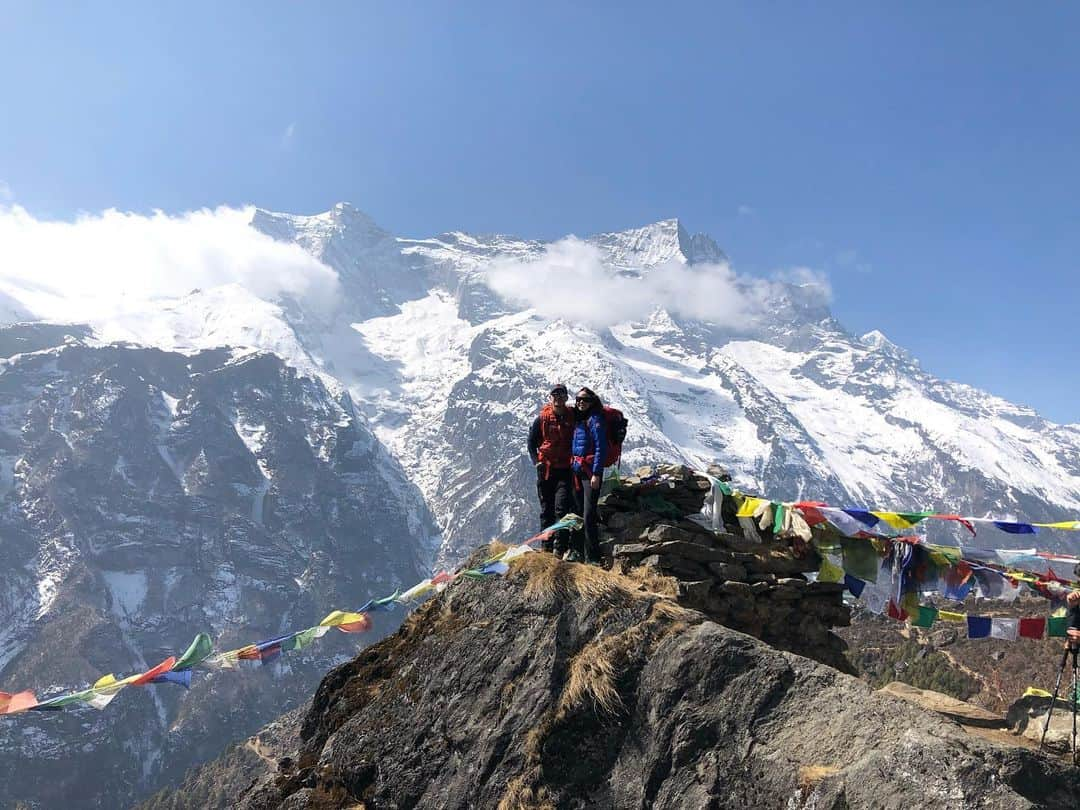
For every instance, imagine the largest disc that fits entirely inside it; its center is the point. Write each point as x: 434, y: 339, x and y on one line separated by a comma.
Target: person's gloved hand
x: 1073, y: 598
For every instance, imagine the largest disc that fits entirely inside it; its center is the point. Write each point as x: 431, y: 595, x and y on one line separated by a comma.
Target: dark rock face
x: 146, y: 496
x: 564, y: 686
x: 753, y: 585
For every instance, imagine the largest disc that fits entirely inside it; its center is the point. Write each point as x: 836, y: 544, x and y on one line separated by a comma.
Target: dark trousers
x: 586, y: 498
x: 554, y: 489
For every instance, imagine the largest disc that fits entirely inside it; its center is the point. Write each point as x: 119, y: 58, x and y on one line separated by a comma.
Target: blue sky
x: 926, y: 158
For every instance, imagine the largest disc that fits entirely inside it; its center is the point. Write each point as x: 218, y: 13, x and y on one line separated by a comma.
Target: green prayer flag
x: 301, y: 639
x: 778, y: 520
x: 926, y: 616
x: 830, y: 571
x: 861, y: 559
x: 198, y: 652
x: 914, y: 517
x: 1056, y: 626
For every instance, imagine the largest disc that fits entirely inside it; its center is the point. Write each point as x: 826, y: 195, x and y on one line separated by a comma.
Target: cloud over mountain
x: 109, y: 262
x: 570, y: 280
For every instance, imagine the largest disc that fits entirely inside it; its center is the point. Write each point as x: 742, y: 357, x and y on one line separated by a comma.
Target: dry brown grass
x: 653, y: 582
x: 811, y: 775
x: 550, y: 576
x: 592, y: 673
x: 520, y: 794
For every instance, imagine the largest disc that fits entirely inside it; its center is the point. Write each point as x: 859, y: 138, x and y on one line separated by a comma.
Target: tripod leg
x: 1075, y: 684
x: 1053, y: 699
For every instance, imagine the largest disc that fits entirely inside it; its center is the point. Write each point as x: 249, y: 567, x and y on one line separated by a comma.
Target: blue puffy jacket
x: 590, y: 439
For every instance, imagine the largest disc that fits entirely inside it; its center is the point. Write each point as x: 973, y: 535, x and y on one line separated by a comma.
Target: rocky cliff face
x: 604, y: 694
x: 146, y: 496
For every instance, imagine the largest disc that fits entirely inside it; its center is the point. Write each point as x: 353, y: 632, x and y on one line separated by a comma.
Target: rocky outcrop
x: 604, y: 694
x: 750, y: 583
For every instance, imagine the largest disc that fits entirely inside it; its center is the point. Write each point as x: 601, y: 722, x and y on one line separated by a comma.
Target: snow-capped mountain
x: 448, y: 373
x: 793, y: 404
x: 222, y: 459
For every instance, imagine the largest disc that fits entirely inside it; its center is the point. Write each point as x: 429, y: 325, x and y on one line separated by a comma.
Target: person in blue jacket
x: 588, y: 449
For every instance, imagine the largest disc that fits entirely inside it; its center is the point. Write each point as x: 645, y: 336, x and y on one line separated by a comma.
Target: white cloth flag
x: 876, y: 597
x: 1003, y: 628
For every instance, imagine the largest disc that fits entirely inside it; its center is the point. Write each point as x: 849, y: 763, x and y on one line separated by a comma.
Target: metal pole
x: 1075, y: 684
x: 1053, y: 699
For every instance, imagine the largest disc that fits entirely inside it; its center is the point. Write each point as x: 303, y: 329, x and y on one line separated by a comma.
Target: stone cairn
x: 741, y: 577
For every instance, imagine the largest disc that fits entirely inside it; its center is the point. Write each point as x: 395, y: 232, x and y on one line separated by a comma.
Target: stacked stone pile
x: 755, y: 585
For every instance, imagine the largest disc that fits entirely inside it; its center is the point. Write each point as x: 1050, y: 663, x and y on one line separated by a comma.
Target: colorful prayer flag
x: 18, y: 702
x: 1014, y: 528
x: 1003, y: 628
x: 197, y: 652
x: 830, y: 571
x: 855, y: 586
x: 748, y: 507
x: 949, y: 616
x: 1032, y: 628
x: 978, y: 626
x: 926, y: 616
x: 1056, y: 626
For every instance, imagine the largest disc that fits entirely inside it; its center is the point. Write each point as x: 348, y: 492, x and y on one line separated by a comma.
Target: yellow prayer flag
x: 893, y: 519
x: 104, y: 681
x: 338, y: 618
x: 830, y: 571
x: 947, y: 616
x: 1033, y: 691
x: 748, y: 507
x: 1068, y: 525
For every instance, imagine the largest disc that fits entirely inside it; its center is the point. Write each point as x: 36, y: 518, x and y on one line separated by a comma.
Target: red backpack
x: 615, y: 428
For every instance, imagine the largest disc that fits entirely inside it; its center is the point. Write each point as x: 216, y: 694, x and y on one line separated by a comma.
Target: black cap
x: 558, y: 388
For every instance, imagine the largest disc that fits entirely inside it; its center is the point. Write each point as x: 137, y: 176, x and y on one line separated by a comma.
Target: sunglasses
x: 559, y: 394
x: 584, y: 399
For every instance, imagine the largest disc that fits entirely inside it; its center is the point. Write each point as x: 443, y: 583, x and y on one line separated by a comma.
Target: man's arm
x: 534, y: 441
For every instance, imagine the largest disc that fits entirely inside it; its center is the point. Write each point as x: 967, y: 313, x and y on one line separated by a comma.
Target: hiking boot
x: 572, y: 556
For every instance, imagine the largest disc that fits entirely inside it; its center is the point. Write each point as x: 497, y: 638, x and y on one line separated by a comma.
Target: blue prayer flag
x: 978, y: 626
x: 855, y: 586
x: 182, y: 678
x: 1015, y: 528
x: 863, y: 516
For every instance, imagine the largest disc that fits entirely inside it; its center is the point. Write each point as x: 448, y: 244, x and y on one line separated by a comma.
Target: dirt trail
x: 256, y: 745
x: 974, y: 675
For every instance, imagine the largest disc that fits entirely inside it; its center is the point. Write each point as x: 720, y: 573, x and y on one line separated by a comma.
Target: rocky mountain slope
x: 146, y: 496
x: 607, y: 695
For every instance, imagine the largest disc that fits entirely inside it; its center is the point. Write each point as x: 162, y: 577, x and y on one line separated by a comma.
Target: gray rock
x: 692, y: 715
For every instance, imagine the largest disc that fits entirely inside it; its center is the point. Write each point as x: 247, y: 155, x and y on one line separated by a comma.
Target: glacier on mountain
x: 447, y: 372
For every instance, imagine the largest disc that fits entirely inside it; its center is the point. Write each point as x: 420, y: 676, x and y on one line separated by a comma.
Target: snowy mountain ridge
x: 447, y: 373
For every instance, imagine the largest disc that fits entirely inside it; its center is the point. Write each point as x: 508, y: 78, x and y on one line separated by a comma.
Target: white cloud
x: 570, y: 281
x: 746, y: 210
x: 103, y: 264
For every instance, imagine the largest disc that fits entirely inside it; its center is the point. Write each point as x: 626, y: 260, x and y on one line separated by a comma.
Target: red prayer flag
x: 19, y: 702
x: 896, y: 612
x: 1032, y: 628
x: 150, y: 674
x: 359, y: 626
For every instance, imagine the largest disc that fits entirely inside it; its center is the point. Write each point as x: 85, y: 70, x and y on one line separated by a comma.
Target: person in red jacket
x: 549, y: 448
